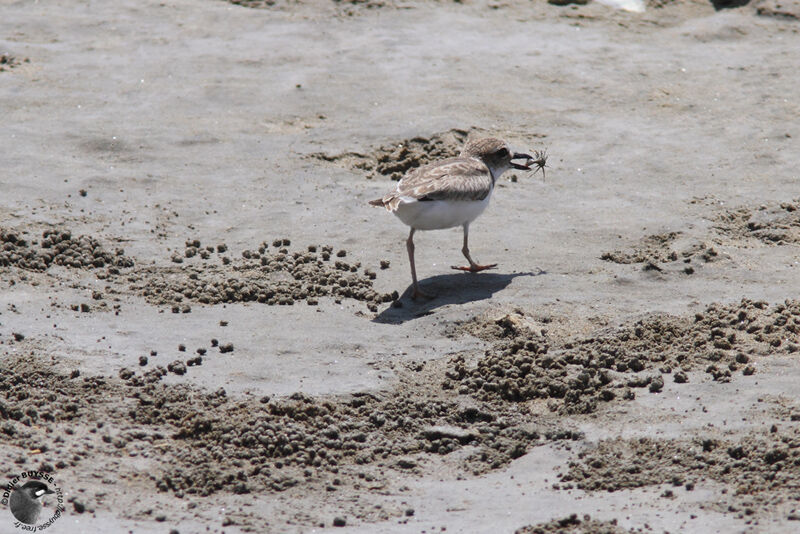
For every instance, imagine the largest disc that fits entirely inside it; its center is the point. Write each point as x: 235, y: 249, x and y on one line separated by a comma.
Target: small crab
x: 540, y: 159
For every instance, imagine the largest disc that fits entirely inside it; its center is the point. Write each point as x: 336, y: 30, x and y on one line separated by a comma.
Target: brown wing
x: 451, y: 179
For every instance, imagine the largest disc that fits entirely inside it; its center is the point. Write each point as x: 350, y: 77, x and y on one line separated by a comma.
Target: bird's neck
x: 496, y: 173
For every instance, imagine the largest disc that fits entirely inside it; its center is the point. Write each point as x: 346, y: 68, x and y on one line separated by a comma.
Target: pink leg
x: 410, y: 247
x: 473, y: 267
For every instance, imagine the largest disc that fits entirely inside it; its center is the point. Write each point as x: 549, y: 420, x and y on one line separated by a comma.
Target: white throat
x: 497, y: 172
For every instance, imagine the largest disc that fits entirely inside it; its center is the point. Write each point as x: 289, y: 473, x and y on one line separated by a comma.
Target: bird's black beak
x: 522, y: 166
x: 40, y: 492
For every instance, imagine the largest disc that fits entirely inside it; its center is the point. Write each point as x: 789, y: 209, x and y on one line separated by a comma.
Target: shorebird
x: 453, y: 192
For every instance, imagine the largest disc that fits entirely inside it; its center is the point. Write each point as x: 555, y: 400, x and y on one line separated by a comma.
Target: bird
x: 24, y: 501
x: 453, y: 192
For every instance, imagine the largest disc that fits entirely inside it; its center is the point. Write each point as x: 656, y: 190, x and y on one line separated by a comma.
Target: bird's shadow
x: 455, y: 288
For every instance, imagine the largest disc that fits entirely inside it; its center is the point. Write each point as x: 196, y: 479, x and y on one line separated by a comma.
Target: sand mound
x: 578, y: 373
x: 661, y: 252
x: 774, y: 224
x: 573, y: 525
x: 59, y: 247
x: 272, y: 276
x: 207, y: 442
x: 762, y: 467
x: 396, y: 158
x: 782, y: 9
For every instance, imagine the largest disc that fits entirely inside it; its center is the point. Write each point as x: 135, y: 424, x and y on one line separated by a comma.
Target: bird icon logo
x: 25, y: 503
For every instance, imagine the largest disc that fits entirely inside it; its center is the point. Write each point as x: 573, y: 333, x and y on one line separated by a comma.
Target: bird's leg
x: 473, y: 267
x: 410, y: 246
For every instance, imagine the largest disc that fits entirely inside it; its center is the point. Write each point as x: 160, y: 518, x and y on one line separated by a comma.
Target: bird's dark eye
x: 503, y: 152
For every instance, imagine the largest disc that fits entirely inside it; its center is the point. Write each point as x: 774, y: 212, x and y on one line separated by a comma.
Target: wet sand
x: 205, y: 327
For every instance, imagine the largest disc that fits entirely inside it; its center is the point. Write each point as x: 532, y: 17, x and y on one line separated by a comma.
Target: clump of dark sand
x: 396, y: 158
x: 657, y: 252
x: 253, y: 3
x: 264, y: 4
x: 224, y: 445
x: 272, y: 276
x: 578, y: 373
x: 769, y: 224
x: 59, y: 247
x: 8, y: 62
x: 572, y: 524
x: 762, y: 468
x: 780, y: 9
x: 654, y: 248
x: 205, y: 442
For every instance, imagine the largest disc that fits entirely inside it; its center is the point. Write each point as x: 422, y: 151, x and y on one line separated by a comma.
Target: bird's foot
x: 474, y: 268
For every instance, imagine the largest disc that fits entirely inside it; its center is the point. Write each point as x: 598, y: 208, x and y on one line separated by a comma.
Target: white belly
x: 439, y: 214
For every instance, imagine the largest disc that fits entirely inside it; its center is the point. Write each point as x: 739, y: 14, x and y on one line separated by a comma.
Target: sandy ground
x: 204, y: 327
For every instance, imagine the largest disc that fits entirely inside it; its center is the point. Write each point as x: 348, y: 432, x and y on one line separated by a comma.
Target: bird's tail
x: 390, y: 202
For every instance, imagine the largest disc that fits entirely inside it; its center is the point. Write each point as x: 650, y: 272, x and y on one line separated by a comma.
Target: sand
x: 204, y: 327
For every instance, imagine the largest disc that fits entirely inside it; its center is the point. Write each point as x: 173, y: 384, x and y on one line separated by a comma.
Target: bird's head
x: 35, y: 489
x: 497, y: 155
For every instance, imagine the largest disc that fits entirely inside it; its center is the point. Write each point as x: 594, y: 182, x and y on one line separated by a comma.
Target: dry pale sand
x: 204, y: 327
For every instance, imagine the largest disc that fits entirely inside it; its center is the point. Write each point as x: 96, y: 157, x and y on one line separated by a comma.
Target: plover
x: 453, y: 192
